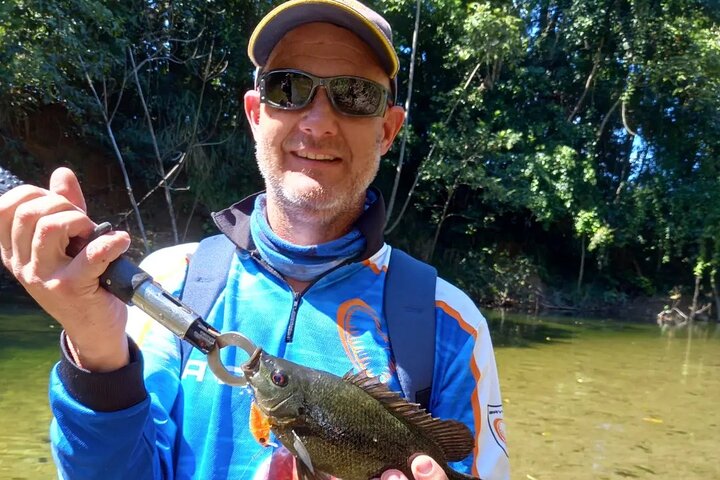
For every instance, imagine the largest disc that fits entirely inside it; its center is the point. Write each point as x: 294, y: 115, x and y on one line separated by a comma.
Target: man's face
x: 316, y: 160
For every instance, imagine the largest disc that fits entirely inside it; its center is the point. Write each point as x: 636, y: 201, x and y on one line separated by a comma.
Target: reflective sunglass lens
x: 355, y: 96
x: 292, y: 90
x: 287, y: 90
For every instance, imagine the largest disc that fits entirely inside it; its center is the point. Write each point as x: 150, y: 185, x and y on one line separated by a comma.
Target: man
x: 306, y: 282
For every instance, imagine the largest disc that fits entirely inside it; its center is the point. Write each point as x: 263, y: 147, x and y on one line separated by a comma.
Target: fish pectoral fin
x: 305, y: 474
x: 302, y: 455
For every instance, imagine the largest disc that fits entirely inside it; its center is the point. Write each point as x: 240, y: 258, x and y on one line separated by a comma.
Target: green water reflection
x: 605, y: 400
x: 28, y: 350
x: 584, y: 399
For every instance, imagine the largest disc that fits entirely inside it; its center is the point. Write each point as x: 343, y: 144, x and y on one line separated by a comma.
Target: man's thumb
x: 64, y: 182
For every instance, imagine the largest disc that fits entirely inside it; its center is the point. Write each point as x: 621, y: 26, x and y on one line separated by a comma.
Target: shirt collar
x: 234, y: 223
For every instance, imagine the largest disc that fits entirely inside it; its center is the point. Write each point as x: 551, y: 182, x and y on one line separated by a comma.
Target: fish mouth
x: 251, y: 366
x: 271, y: 412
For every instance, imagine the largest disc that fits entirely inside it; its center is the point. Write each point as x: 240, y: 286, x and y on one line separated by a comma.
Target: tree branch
x: 624, y: 120
x: 430, y: 154
x: 607, y: 117
x: 406, y: 131
x: 156, y: 148
x: 588, y: 82
x: 119, y: 157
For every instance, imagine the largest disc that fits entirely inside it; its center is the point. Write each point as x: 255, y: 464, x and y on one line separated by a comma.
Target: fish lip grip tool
x: 228, y: 339
x: 134, y: 286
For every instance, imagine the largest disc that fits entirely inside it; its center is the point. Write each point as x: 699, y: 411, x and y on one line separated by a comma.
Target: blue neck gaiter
x: 303, y: 262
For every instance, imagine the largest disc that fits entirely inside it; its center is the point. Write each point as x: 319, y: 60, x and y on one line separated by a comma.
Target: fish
x: 352, y: 427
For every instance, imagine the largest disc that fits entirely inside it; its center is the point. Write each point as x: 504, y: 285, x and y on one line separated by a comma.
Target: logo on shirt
x: 497, y: 425
x: 363, y: 338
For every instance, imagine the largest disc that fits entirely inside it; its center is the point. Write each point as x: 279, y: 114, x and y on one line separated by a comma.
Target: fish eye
x: 279, y: 378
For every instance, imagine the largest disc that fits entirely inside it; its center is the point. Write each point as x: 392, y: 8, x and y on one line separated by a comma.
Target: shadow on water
x: 514, y: 330
x: 520, y: 330
x: 26, y: 327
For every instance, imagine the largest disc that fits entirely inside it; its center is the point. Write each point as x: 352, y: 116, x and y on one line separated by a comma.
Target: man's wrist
x: 104, y: 391
x: 101, y: 357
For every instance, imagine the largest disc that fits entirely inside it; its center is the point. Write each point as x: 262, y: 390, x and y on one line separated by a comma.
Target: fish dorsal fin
x: 454, y: 438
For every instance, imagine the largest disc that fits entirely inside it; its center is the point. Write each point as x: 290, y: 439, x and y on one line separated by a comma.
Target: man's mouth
x: 316, y: 156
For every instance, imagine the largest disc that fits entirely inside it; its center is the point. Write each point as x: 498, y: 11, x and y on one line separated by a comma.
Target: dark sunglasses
x: 295, y: 89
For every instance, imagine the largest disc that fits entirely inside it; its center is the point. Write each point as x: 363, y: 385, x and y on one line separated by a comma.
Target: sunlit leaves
x: 589, y: 224
x: 602, y: 116
x: 490, y: 34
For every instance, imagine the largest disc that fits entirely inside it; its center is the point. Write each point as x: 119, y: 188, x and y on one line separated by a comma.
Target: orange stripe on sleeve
x: 477, y: 375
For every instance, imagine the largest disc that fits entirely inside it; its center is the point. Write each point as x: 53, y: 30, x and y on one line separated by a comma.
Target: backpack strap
x: 409, y: 304
x: 206, y: 277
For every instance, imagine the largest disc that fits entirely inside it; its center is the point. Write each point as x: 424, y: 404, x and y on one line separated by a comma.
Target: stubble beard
x: 320, y: 204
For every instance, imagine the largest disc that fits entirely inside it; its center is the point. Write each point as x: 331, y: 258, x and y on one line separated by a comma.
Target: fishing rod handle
x: 8, y: 181
x: 134, y: 286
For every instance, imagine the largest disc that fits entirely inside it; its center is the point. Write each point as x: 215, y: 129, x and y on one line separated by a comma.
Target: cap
x: 364, y: 22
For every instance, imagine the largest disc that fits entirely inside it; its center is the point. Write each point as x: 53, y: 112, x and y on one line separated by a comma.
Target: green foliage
x: 644, y: 284
x: 600, y: 121
x: 588, y: 223
x: 493, y: 276
x: 191, y: 64
x: 491, y: 36
x: 552, y: 125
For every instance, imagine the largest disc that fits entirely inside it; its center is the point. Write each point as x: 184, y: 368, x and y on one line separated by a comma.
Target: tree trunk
x: 128, y: 187
x: 582, y: 263
x: 156, y: 149
x: 388, y: 230
x: 120, y: 159
x: 443, y: 216
x: 716, y: 295
x: 696, y: 294
x: 406, y: 128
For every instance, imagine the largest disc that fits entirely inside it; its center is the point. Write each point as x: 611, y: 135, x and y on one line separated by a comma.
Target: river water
x: 584, y: 399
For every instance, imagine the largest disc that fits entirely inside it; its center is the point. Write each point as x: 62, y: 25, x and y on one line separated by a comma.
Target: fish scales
x: 353, y: 427
x: 352, y: 435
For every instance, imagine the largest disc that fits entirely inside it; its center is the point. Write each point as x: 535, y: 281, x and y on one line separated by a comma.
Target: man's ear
x: 392, y: 123
x: 252, y: 109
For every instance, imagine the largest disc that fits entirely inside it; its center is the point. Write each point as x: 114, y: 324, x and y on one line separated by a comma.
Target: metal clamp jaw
x: 229, y: 339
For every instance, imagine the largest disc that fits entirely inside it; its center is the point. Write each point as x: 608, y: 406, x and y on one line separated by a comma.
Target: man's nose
x: 319, y: 118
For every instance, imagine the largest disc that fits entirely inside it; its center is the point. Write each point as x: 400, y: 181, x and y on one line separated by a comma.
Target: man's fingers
x: 9, y: 203
x: 93, y: 260
x: 25, y: 221
x: 64, y: 182
x: 393, y: 475
x: 425, y: 468
x: 52, y: 235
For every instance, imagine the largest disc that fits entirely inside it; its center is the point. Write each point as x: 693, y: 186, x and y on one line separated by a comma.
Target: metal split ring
x: 228, y: 339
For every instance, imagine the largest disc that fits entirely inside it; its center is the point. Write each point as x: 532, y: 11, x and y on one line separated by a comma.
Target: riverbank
x: 539, y: 299
x: 638, y: 309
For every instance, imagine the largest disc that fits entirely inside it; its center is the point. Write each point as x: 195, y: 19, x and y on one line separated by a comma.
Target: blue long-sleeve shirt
x: 149, y: 420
